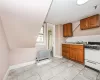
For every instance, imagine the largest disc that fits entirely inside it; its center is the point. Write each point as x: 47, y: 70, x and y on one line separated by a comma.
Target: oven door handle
x: 92, y: 62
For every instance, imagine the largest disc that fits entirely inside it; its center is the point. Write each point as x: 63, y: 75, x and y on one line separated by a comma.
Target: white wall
x: 4, y: 50
x: 90, y: 38
x: 84, y: 35
x: 22, y: 21
x: 59, y: 40
x: 22, y: 55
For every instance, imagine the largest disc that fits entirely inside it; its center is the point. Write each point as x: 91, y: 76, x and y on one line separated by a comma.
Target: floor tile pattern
x: 57, y: 69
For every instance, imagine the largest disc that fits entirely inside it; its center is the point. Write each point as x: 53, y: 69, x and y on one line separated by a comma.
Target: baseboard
x: 21, y: 65
x: 5, y: 76
x: 58, y: 56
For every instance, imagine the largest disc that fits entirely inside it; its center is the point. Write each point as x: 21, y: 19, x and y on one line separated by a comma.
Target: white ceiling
x: 65, y: 11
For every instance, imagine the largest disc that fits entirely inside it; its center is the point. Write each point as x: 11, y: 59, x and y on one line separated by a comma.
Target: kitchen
x: 83, y: 51
x: 50, y: 39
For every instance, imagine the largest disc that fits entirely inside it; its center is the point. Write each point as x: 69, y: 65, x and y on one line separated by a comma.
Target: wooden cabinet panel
x: 80, y: 56
x: 93, y: 21
x: 73, y: 54
x: 65, y: 50
x: 66, y: 45
x: 76, y: 46
x: 84, y: 23
x: 67, y: 53
x: 90, y: 22
x: 67, y: 30
x: 63, y: 54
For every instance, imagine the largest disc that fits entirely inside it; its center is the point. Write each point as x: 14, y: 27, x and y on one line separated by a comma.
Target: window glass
x: 40, y: 38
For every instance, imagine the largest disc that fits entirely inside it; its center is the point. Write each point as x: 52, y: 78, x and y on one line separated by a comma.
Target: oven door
x: 92, y: 58
x: 92, y: 64
x: 92, y: 55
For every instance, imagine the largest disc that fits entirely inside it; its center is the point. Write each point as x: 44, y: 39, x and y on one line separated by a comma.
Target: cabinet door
x: 93, y: 21
x: 67, y: 52
x: 73, y: 54
x: 67, y: 30
x: 63, y: 54
x: 63, y: 50
x: 80, y: 56
x: 84, y: 24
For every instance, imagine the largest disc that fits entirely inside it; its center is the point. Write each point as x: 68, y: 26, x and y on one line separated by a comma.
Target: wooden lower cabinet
x: 74, y: 52
x: 63, y: 54
x: 80, y: 56
x: 67, y: 53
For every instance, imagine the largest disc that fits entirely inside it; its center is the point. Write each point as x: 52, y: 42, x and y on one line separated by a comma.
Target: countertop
x: 73, y: 43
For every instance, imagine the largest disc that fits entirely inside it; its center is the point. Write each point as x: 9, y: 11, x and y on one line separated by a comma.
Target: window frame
x: 41, y: 34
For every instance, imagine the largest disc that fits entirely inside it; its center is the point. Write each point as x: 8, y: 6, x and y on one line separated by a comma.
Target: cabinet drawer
x: 65, y: 45
x: 76, y: 46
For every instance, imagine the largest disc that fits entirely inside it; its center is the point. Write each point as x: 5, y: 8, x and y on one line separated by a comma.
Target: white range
x: 92, y: 57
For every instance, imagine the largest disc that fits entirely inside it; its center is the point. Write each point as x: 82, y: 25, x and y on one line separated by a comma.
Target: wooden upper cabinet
x: 67, y: 30
x: 84, y: 23
x: 93, y: 21
x: 90, y: 22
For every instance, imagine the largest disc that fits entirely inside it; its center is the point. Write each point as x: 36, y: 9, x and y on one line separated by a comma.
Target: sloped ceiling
x: 22, y: 20
x: 65, y: 11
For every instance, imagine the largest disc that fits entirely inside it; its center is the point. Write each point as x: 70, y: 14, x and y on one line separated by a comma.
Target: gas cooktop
x: 93, y: 45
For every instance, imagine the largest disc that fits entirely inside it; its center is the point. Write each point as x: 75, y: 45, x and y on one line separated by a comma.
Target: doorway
x: 51, y: 38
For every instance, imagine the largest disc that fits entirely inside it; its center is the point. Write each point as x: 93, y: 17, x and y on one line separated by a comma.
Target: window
x: 40, y: 38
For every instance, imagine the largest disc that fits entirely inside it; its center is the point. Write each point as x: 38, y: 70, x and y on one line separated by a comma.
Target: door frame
x: 54, y: 33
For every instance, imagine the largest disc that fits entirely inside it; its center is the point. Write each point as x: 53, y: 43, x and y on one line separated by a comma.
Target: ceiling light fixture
x: 80, y: 2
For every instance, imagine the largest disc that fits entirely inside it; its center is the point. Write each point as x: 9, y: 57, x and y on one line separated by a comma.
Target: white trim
x: 44, y: 62
x: 58, y: 56
x: 47, y: 34
x: 54, y: 39
x: 54, y: 34
x: 5, y: 76
x: 21, y: 65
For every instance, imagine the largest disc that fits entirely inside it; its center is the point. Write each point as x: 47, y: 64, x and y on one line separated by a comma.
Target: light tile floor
x: 58, y: 69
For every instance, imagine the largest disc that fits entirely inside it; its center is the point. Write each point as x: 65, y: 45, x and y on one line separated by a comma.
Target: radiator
x: 43, y: 54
